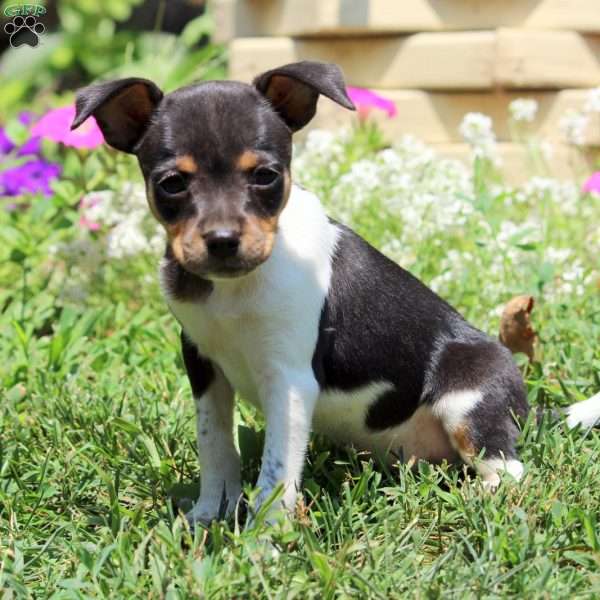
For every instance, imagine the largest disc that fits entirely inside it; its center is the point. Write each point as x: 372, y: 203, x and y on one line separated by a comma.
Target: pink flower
x: 55, y: 125
x: 85, y: 223
x: 365, y: 100
x: 592, y: 184
x: 87, y: 205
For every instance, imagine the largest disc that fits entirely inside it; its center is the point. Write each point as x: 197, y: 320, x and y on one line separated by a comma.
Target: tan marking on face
x: 186, y: 164
x: 257, y: 238
x: 464, y: 444
x: 175, y: 234
x: 247, y: 160
x: 258, y: 235
x: 175, y: 231
x: 186, y: 242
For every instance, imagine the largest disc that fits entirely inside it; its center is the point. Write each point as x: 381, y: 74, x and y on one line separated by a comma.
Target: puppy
x: 291, y: 309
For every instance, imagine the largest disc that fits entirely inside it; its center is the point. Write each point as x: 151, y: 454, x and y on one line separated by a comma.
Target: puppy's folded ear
x: 122, y: 109
x: 294, y: 89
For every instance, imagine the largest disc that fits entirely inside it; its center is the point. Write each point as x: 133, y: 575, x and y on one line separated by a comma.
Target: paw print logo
x: 24, y: 30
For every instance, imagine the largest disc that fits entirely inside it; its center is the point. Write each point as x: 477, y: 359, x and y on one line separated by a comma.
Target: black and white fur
x: 323, y: 333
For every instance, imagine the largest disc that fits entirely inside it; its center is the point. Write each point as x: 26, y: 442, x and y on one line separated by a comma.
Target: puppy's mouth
x: 221, y: 269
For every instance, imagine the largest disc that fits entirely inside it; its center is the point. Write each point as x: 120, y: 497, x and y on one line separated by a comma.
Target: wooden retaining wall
x: 437, y: 59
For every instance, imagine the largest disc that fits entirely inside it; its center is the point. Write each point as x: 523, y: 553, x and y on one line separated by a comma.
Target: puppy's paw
x: 200, y: 516
x: 273, y: 516
x: 493, y: 470
x: 271, y: 508
x: 207, y: 510
x: 491, y: 482
x: 263, y: 548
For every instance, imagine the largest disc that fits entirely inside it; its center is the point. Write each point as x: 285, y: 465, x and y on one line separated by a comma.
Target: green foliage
x: 89, y: 44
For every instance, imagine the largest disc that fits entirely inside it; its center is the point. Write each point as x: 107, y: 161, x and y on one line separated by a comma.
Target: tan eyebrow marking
x: 247, y: 160
x: 186, y: 163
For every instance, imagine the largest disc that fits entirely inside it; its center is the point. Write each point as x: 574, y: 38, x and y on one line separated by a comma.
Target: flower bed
x: 96, y: 446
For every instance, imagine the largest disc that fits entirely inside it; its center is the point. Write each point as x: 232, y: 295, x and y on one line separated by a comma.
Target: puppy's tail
x: 586, y: 414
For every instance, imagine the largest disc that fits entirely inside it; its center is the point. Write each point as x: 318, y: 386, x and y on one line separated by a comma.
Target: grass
x: 97, y: 447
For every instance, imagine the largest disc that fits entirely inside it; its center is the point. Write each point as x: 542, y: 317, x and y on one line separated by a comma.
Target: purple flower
x: 29, y: 178
x: 6, y: 144
x: 592, y: 184
x: 31, y: 146
x: 27, y: 118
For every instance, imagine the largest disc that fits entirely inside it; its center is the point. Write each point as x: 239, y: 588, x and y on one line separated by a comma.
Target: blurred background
x: 434, y: 60
x: 84, y: 40
x: 466, y: 109
x: 438, y: 60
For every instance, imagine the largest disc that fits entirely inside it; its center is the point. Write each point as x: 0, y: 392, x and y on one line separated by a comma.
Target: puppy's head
x: 215, y: 156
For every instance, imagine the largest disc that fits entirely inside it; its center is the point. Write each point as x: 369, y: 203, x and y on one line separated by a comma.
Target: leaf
x: 17, y: 256
x: 197, y: 28
x: 16, y: 132
x: 321, y: 565
x: 516, y: 331
x: 589, y: 525
x: 126, y: 426
x: 152, y: 451
x: 450, y: 499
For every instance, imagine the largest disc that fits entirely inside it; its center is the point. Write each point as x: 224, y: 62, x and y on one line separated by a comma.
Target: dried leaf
x: 516, y: 331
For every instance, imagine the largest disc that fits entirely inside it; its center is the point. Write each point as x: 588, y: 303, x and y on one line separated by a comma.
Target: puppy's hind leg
x: 480, y: 419
x: 482, y: 432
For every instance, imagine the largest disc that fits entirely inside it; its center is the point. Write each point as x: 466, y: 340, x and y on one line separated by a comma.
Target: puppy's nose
x: 222, y: 243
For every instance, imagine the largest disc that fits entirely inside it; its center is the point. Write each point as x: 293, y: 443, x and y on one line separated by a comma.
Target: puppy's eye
x: 264, y: 176
x: 173, y: 184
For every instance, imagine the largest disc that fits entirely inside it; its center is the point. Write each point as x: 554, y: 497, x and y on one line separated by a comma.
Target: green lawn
x: 97, y: 427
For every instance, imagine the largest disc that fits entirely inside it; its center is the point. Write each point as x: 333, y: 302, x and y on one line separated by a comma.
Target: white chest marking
x: 268, y: 320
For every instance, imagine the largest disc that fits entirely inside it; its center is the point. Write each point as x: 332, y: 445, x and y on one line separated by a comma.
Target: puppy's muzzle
x: 222, y: 243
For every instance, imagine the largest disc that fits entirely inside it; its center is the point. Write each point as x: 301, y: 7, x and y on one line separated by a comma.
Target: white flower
x: 562, y: 193
x: 523, y: 109
x: 557, y: 255
x: 497, y: 311
x: 573, y: 125
x: 320, y: 141
x: 575, y: 272
x: 592, y: 103
x: 477, y: 130
x: 157, y: 241
x: 74, y: 291
x: 126, y: 239
x: 85, y: 253
x: 98, y: 207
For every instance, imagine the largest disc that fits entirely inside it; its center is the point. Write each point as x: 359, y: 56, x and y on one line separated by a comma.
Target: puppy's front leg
x: 219, y: 459
x: 289, y: 400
